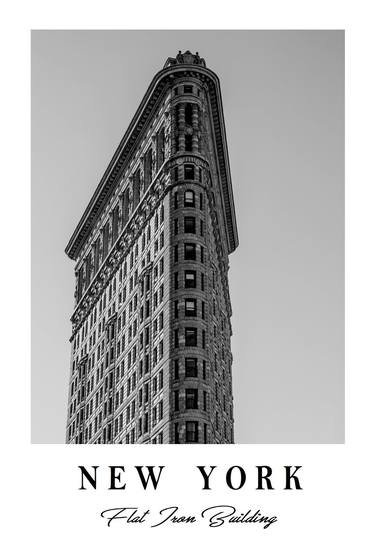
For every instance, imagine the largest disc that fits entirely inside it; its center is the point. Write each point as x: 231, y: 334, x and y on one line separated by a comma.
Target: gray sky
x: 283, y: 95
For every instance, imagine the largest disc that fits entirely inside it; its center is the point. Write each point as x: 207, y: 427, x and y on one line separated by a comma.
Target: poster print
x: 202, y: 272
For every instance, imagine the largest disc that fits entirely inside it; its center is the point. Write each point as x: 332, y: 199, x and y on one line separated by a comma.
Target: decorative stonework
x: 119, y: 251
x: 185, y: 58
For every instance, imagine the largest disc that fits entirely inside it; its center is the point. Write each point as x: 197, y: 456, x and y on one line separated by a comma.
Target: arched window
x: 189, y: 199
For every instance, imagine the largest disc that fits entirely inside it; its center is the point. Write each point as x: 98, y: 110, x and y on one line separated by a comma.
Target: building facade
x: 151, y: 359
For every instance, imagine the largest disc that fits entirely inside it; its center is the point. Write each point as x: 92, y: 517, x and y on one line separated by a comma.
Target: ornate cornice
x: 161, y: 81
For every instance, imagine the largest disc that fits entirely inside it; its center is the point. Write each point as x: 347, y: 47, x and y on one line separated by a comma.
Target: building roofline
x: 109, y: 180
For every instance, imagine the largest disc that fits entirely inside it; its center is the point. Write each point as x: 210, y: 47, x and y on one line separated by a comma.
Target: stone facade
x: 151, y: 359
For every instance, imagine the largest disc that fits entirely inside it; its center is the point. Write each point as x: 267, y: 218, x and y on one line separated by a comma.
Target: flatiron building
x: 151, y: 358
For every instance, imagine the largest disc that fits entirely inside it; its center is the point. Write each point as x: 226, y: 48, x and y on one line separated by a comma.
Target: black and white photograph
x: 187, y: 276
x: 187, y: 237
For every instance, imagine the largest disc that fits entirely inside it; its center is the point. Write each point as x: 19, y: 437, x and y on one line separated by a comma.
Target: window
x: 176, y: 434
x: 188, y: 142
x: 190, y: 307
x: 136, y: 188
x: 188, y: 170
x: 202, y: 254
x: 176, y: 227
x: 191, y: 337
x: 176, y: 280
x: 189, y: 199
x: 105, y: 244
x: 176, y: 369
x: 189, y: 114
x: 176, y: 340
x: 190, y: 252
x: 160, y: 379
x: 175, y: 175
x: 160, y: 148
x: 176, y: 309
x: 191, y: 399
x: 161, y: 349
x: 191, y: 368
x: 147, y: 167
x: 188, y: 89
x: 190, y: 279
x: 189, y: 225
x: 176, y: 253
x: 191, y: 431
x: 176, y: 401
x: 115, y: 221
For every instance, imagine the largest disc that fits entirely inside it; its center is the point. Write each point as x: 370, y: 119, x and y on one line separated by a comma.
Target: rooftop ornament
x: 185, y: 58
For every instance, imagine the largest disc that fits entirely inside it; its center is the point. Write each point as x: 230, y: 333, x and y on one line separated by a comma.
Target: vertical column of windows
x: 195, y: 124
x: 181, y: 127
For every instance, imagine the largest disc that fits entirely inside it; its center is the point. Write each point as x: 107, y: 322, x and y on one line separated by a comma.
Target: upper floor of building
x: 181, y: 114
